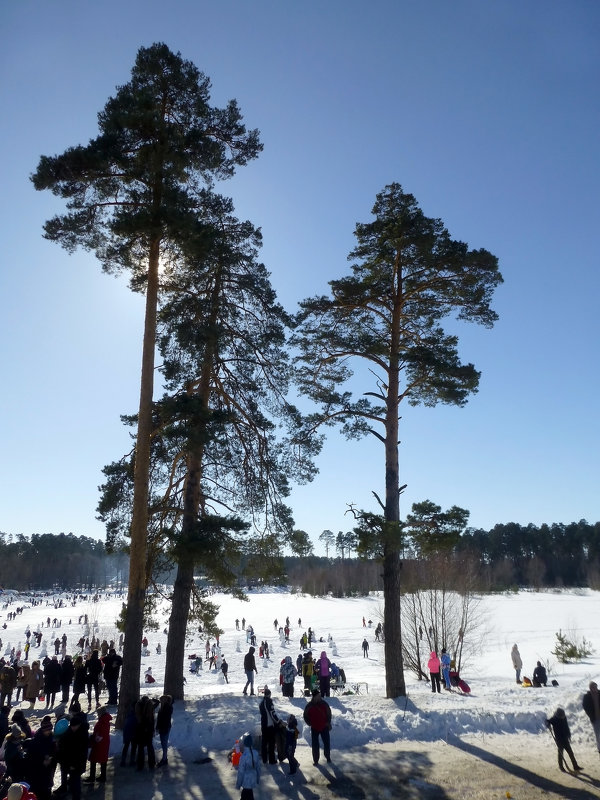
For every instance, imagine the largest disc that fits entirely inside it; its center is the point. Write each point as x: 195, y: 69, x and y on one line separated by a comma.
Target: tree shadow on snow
x: 545, y: 784
x: 364, y: 773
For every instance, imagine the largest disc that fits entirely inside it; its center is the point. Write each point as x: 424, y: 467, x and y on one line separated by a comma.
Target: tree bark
x: 136, y: 595
x: 182, y: 591
x: 394, y: 662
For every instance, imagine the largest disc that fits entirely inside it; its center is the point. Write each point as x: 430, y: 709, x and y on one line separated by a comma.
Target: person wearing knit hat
x: 22, y: 722
x: 72, y: 755
x: 41, y: 752
x: 19, y: 791
x: 248, y: 776
x: 14, y: 755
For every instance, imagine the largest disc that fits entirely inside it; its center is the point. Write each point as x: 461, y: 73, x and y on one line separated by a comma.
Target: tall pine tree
x: 223, y: 463
x: 133, y: 193
x: 408, y: 276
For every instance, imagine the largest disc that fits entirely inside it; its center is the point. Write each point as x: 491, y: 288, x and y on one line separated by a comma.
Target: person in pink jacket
x: 100, y: 739
x: 433, y: 665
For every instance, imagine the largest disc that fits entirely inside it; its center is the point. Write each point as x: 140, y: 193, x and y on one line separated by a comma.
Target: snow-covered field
x: 215, y: 714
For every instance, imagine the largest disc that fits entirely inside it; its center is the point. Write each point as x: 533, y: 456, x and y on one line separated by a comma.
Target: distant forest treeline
x: 58, y: 561
x: 507, y: 556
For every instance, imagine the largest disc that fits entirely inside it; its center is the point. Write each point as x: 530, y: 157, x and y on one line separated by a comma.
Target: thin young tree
x: 408, y: 276
x: 132, y: 193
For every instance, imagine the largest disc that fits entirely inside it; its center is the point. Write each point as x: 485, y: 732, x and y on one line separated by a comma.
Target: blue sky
x: 487, y: 112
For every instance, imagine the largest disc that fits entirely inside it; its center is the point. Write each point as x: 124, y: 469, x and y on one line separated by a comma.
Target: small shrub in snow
x: 570, y: 649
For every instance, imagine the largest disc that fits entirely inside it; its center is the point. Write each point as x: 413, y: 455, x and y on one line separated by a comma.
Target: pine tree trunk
x: 394, y: 662
x: 182, y: 591
x: 129, y: 690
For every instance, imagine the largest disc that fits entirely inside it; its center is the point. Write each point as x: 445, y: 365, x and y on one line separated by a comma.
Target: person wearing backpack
x: 248, y: 776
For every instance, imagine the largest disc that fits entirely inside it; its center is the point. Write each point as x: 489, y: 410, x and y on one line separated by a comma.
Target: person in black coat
x: 250, y: 670
x: 94, y: 670
x: 163, y: 726
x: 112, y: 664
x: 129, y: 737
x: 269, y: 721
x: 41, y: 752
x: 51, y: 680
x: 79, y: 680
x: 72, y: 754
x: 540, y: 677
x: 67, y: 672
x: 14, y: 753
x: 144, y: 713
x: 562, y: 737
x: 4, y: 722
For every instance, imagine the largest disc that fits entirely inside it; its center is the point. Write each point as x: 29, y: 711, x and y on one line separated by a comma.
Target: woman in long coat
x: 35, y: 684
x: 100, y: 746
x: 79, y: 679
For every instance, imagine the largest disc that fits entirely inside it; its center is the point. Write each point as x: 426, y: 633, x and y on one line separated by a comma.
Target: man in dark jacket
x: 8, y: 681
x: 591, y: 706
x: 51, y: 680
x: 112, y: 666
x: 72, y: 754
x: 562, y: 737
x: 317, y: 714
x: 67, y: 671
x: 540, y: 676
x: 269, y: 721
x: 250, y: 669
x: 39, y: 769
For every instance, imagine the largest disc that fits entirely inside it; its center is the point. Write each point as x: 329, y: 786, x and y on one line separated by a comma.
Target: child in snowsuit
x: 248, y: 776
x: 291, y: 736
x: 445, y: 667
x: 562, y: 737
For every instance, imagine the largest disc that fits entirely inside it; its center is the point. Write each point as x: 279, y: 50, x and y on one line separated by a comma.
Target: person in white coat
x: 516, y: 661
x: 248, y: 776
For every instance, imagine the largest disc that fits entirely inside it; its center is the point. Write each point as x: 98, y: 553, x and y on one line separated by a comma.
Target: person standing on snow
x: 445, y: 667
x: 562, y: 737
x: 250, y: 670
x: 323, y: 671
x: 517, y: 662
x: 317, y: 714
x: 248, y: 776
x: 365, y: 648
x: 268, y: 724
x: 163, y: 726
x: 288, y: 673
x: 433, y: 665
x: 591, y: 706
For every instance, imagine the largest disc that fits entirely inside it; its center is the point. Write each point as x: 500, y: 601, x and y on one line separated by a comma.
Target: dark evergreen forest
x: 58, y: 561
x: 506, y: 557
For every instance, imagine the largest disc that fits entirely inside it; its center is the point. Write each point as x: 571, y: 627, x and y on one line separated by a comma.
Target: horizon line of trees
x: 506, y: 556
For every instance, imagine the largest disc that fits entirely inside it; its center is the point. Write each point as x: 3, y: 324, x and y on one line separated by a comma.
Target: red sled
x: 457, y: 681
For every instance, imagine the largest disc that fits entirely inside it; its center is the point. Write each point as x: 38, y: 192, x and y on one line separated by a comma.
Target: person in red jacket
x: 317, y: 714
x: 100, y: 746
